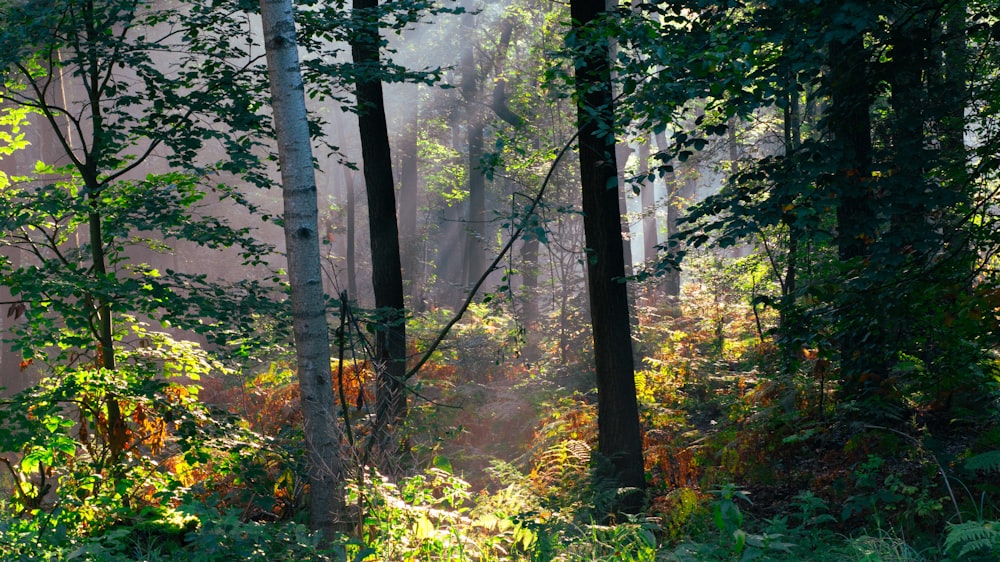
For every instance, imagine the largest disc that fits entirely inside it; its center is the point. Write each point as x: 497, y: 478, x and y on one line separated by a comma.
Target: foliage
x: 121, y: 177
x: 970, y: 539
x: 738, y: 397
x: 65, y: 470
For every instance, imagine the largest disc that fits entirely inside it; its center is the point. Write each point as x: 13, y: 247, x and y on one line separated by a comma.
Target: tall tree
x: 350, y: 216
x: 672, y: 275
x: 475, y: 125
x: 301, y: 223
x: 387, y: 276
x: 849, y: 121
x: 408, y: 199
x: 648, y: 202
x: 619, y: 436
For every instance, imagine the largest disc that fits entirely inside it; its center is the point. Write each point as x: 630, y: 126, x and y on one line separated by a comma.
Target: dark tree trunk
x: 787, y: 319
x: 387, y: 277
x: 351, y: 259
x: 908, y: 193
x: 949, y: 92
x: 619, y: 435
x: 849, y: 120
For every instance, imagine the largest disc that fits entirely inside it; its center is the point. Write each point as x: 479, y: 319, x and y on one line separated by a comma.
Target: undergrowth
x: 745, y: 460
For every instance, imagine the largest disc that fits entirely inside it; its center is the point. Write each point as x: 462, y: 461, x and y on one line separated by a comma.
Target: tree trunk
x: 908, y: 189
x: 350, y: 202
x: 787, y: 318
x: 100, y: 305
x: 408, y: 189
x: 351, y: 259
x: 948, y: 96
x: 387, y: 276
x: 648, y: 197
x: 850, y: 122
x: 529, y: 292
x: 619, y: 436
x: 622, y: 153
x: 312, y: 348
x: 475, y: 260
x: 672, y: 278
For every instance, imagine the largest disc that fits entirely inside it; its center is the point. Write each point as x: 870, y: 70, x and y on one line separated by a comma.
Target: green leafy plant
x: 973, y: 540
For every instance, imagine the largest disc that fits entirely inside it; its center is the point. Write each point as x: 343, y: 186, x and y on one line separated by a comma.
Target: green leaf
x: 984, y: 462
x: 442, y: 463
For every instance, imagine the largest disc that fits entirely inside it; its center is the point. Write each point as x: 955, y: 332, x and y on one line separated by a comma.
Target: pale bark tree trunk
x: 312, y: 347
x: 408, y: 202
x: 622, y: 153
x: 619, y: 434
x: 475, y: 258
x: 529, y: 292
x: 350, y: 202
x: 647, y: 196
x: 672, y: 277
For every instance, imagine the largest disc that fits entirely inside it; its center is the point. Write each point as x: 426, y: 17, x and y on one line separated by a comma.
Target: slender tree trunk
x: 387, y: 276
x: 101, y: 306
x: 912, y: 239
x: 648, y: 197
x: 949, y: 93
x: 351, y: 259
x: 312, y: 347
x: 409, y: 186
x: 475, y: 260
x: 350, y: 201
x: 619, y: 436
x: 529, y: 292
x: 787, y: 311
x: 672, y: 278
x: 622, y: 153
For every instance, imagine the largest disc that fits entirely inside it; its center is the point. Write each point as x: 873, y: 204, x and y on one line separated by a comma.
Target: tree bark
x: 475, y: 226
x: 350, y: 202
x: 949, y: 92
x: 619, y: 436
x: 850, y: 122
x: 351, y: 259
x: 387, y: 276
x: 647, y: 196
x: 312, y: 348
x: 672, y: 277
x: 529, y: 294
x: 408, y: 190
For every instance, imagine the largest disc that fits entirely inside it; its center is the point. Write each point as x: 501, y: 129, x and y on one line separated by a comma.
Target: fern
x: 973, y: 536
x: 986, y: 462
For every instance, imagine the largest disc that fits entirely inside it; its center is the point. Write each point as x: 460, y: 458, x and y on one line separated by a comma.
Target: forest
x: 499, y: 280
